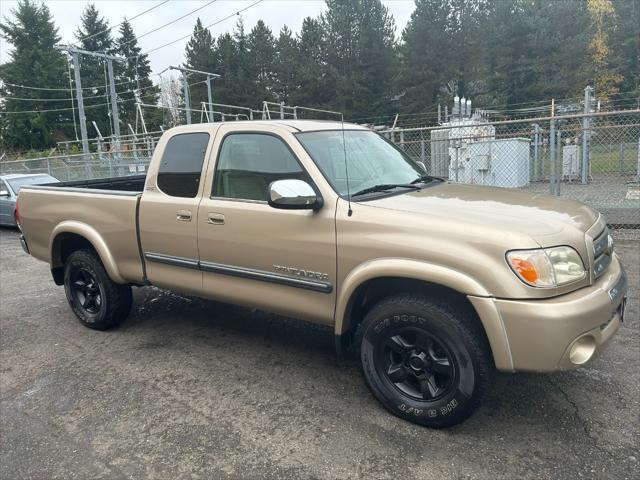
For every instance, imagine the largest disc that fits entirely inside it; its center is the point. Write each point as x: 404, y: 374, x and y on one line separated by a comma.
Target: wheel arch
x: 374, y: 280
x: 70, y: 236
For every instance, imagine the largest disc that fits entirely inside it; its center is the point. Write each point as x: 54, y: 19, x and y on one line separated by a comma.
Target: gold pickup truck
x: 437, y: 284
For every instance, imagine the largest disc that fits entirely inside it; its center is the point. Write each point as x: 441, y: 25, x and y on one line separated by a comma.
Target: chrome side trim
x: 266, y: 277
x: 250, y: 273
x: 171, y: 260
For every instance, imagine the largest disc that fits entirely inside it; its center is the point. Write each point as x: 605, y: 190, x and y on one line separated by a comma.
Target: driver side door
x: 256, y: 255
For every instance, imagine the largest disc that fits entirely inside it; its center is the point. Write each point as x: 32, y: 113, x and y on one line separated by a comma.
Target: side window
x: 249, y: 162
x: 181, y: 164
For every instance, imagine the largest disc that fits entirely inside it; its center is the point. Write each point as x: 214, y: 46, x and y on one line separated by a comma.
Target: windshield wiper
x: 385, y: 186
x: 426, y: 179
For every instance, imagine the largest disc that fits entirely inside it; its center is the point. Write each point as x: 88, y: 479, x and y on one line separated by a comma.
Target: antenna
x: 346, y: 166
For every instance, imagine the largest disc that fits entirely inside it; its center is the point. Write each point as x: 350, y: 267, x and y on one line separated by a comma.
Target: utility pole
x: 81, y: 116
x: 187, y: 100
x: 75, y: 53
x: 114, y: 103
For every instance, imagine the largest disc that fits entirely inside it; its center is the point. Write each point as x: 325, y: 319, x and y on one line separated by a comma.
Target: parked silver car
x: 10, y: 186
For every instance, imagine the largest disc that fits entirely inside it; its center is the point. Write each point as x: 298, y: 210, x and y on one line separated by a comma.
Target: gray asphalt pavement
x: 197, y: 389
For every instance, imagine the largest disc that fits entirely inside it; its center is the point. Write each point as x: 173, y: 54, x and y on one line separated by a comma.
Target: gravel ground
x: 195, y: 389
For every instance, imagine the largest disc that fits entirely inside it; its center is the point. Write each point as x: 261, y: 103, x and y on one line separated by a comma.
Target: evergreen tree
x: 260, y: 62
x: 200, y: 55
x: 285, y: 65
x: 94, y: 35
x: 625, y: 48
x: 133, y: 77
x: 360, y: 54
x: 425, y: 55
x: 376, y: 63
x: 311, y: 66
x: 33, y: 62
x: 226, y: 65
x: 243, y: 82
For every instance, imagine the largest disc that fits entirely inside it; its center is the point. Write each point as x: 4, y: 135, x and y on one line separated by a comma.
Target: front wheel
x: 96, y: 300
x: 424, y: 360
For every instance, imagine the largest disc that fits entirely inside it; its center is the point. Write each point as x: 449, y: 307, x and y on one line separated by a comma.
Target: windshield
x: 371, y: 160
x: 18, y: 183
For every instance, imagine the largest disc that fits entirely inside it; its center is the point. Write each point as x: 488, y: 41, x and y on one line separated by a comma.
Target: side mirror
x: 4, y: 193
x: 293, y: 195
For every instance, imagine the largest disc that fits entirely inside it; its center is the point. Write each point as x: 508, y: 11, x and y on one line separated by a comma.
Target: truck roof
x: 291, y: 125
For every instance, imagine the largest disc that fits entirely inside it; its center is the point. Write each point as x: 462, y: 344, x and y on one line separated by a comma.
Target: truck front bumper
x: 564, y: 332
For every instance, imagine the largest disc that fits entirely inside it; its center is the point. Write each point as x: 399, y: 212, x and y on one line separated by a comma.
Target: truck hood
x: 539, y: 216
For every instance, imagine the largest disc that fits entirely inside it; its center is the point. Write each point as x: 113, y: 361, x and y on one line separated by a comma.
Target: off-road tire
x: 455, y: 339
x: 111, y: 301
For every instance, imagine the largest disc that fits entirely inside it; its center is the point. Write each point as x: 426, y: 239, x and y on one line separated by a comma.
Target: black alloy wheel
x: 425, y: 359
x: 96, y: 300
x: 86, y: 290
x: 416, y: 363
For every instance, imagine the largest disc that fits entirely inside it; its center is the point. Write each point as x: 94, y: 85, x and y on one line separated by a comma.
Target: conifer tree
x: 285, y: 71
x: 134, y: 79
x: 94, y: 35
x: 199, y: 55
x: 33, y: 62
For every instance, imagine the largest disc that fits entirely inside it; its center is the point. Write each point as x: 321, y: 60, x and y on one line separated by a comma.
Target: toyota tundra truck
x: 437, y: 285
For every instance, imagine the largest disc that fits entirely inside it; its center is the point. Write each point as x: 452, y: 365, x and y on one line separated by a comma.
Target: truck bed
x: 104, y: 211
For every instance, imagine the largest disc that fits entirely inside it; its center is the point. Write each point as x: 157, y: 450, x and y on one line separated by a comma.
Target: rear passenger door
x: 253, y: 254
x: 169, y: 212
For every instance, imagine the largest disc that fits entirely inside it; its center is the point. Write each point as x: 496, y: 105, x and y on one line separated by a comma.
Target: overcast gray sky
x: 275, y: 14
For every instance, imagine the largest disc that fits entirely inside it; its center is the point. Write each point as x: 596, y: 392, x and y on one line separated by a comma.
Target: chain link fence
x: 593, y: 158
x: 106, y: 158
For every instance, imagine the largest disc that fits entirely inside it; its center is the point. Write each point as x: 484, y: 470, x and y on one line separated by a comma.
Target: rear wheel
x: 96, y: 300
x: 425, y: 360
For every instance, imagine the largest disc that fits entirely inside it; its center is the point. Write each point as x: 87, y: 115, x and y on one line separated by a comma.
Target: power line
x: 14, y: 112
x: 117, y: 25
x: 207, y: 26
x: 168, y: 23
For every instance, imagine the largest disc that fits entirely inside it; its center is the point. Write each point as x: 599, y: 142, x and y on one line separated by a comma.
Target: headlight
x: 547, y: 267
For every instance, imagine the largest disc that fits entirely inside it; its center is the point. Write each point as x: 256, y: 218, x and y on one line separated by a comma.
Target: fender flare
x: 94, y: 238
x: 432, y: 273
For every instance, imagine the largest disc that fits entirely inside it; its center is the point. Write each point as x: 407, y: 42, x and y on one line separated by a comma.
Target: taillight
x: 18, y: 211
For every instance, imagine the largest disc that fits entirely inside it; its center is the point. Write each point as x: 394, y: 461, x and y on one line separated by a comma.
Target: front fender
x: 432, y: 273
x: 96, y: 240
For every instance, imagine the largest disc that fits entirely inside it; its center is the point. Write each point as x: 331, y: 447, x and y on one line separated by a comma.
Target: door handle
x: 215, y: 219
x: 183, y: 215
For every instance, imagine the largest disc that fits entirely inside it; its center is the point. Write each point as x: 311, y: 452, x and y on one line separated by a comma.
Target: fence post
x: 584, y: 177
x: 558, y: 161
x: 423, y: 156
x: 536, y: 159
x: 552, y: 156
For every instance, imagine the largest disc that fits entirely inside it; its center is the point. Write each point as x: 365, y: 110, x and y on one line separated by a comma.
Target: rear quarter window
x: 181, y: 164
